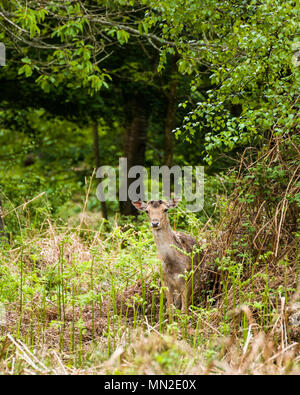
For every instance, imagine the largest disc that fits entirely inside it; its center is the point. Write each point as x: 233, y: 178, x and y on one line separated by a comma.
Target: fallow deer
x: 176, y: 250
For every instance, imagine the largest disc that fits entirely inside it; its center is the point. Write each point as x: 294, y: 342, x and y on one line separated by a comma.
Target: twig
x: 86, y: 199
x: 23, y: 205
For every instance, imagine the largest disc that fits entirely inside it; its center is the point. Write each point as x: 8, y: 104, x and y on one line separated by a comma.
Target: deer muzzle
x: 155, y: 224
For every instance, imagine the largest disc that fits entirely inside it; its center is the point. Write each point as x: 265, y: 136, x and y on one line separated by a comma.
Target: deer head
x: 157, y: 211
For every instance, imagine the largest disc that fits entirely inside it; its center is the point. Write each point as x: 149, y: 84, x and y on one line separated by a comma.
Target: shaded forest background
x: 158, y: 83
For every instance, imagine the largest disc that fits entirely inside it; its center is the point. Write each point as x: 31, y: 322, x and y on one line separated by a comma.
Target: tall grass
x: 88, y: 296
x: 86, y: 299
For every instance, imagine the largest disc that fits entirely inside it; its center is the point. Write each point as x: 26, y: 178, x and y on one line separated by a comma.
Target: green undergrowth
x: 94, y: 301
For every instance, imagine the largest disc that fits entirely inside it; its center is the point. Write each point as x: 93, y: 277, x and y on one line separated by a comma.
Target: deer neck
x: 164, y: 238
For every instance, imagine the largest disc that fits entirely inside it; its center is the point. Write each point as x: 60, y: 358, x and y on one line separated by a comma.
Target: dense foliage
x: 235, y: 80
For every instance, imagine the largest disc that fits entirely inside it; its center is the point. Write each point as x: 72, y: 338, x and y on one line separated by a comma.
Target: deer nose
x: 154, y: 224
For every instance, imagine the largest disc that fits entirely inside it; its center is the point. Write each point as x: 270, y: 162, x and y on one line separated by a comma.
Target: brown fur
x: 172, y: 248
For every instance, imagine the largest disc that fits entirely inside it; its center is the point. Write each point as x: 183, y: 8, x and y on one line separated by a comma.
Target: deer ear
x: 140, y: 205
x: 173, y: 203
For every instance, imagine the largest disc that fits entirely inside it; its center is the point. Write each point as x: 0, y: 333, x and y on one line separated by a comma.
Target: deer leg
x: 186, y: 297
x: 177, y: 301
x: 170, y: 299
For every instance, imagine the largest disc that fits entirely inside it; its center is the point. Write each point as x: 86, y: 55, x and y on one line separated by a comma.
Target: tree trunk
x: 171, y: 115
x: 97, y: 161
x: 135, y: 141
